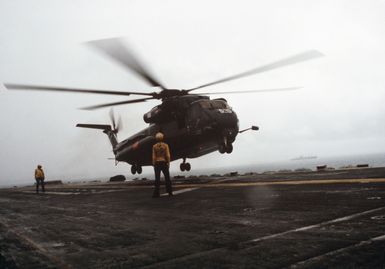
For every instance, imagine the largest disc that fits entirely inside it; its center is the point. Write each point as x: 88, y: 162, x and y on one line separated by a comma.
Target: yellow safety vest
x: 160, y: 153
x: 39, y: 173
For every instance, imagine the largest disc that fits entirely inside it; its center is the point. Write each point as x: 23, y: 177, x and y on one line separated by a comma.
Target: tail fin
x: 106, y: 129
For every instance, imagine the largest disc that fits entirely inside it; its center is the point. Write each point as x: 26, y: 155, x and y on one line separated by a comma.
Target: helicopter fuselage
x: 193, y: 126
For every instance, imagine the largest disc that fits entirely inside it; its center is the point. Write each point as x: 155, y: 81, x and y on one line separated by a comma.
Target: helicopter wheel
x: 139, y: 169
x: 187, y: 166
x: 222, y: 149
x: 133, y: 169
x: 182, y: 167
x: 229, y: 148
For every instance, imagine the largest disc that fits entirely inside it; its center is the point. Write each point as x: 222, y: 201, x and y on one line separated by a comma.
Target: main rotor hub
x: 168, y: 93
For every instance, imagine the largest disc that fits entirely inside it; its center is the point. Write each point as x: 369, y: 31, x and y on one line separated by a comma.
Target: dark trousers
x: 39, y: 181
x: 162, y: 167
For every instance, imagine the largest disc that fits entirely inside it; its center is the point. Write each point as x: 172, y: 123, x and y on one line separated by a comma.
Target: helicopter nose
x: 228, y: 121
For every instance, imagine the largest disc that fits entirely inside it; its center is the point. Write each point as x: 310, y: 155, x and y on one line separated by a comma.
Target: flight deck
x: 331, y: 219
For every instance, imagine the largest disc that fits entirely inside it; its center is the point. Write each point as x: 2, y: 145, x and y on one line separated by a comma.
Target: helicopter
x: 193, y: 124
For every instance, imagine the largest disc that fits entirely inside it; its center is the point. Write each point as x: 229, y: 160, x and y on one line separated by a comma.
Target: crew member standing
x: 39, y: 176
x: 161, y: 162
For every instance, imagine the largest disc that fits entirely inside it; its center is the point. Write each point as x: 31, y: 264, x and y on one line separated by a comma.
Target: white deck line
x: 338, y: 251
x: 53, y: 192
x: 198, y: 254
x: 75, y: 192
x: 180, y: 191
x: 38, y: 247
x: 317, y: 225
x: 106, y: 191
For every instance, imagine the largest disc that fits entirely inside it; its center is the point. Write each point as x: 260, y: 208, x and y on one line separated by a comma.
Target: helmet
x: 159, y: 136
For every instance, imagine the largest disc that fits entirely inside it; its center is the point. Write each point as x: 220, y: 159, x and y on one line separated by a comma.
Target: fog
x: 338, y: 111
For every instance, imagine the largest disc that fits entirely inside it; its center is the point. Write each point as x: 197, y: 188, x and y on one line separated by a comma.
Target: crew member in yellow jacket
x: 161, y: 162
x: 39, y: 177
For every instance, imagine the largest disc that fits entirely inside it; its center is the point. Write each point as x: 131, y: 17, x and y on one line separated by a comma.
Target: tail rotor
x: 116, y: 124
x: 110, y: 131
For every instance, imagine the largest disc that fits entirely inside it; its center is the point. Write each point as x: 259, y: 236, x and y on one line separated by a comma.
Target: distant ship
x: 304, y: 158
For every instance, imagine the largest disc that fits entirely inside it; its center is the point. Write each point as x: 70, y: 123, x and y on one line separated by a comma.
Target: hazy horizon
x: 373, y: 160
x: 338, y: 111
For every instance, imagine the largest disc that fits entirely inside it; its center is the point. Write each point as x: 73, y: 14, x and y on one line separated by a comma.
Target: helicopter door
x: 194, y: 118
x: 180, y: 119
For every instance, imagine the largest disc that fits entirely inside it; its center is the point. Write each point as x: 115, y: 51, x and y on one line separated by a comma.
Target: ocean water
x: 373, y: 160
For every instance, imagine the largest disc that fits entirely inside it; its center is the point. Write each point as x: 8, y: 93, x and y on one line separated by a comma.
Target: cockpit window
x: 218, y: 104
x: 205, y: 104
x: 213, y: 104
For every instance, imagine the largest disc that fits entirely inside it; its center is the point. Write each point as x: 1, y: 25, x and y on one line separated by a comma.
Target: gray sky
x: 339, y: 111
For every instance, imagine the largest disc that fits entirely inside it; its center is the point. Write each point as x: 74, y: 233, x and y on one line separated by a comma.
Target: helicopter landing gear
x: 136, y: 169
x: 222, y: 149
x: 225, y: 147
x: 185, y: 166
x: 229, y: 148
x: 139, y: 169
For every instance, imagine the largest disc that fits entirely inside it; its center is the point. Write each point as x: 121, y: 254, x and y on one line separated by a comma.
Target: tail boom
x: 106, y: 129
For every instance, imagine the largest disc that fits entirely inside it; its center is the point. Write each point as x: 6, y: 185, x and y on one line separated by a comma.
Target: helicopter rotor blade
x: 117, y: 103
x: 304, y: 56
x: 12, y: 86
x: 254, y: 91
x: 114, y: 48
x: 119, y: 123
x: 112, y: 118
x: 116, y: 125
